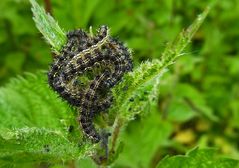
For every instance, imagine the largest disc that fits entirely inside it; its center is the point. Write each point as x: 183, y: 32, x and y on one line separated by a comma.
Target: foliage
x: 48, y: 27
x: 198, y: 101
x: 197, y: 158
x: 34, y: 123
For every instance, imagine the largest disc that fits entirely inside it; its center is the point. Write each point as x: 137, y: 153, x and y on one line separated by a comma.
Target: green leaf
x: 35, y: 122
x: 203, y: 158
x: 36, y: 144
x: 192, y: 101
x: 144, y: 137
x: 49, y: 28
x: 179, y: 111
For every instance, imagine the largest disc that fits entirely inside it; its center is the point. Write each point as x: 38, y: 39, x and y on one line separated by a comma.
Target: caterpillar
x: 108, y: 57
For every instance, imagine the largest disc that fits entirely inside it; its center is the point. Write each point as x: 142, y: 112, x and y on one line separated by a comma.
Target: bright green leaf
x: 203, y: 158
x: 49, y: 28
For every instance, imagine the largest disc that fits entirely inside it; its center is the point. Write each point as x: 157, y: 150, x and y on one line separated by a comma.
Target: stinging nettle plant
x: 37, y: 126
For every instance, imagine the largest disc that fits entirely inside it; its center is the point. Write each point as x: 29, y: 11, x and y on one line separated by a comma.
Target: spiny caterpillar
x: 83, y: 53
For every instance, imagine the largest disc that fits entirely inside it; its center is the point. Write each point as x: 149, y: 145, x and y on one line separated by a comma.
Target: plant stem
x: 116, y: 132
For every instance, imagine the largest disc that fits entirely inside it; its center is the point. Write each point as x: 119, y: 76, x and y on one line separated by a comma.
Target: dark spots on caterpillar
x: 75, y: 102
x: 94, y: 98
x: 92, y: 59
x: 131, y: 99
x: 103, y: 60
x: 55, y: 67
x: 89, y: 94
x: 65, y: 94
x: 79, y: 49
x: 88, y: 44
x: 65, y: 76
x: 73, y: 70
x: 95, y: 138
x: 83, y: 119
x: 84, y: 106
x: 105, y: 105
x: 59, y: 88
x: 96, y: 40
x: 87, y: 130
x: 61, y: 58
x: 79, y: 61
x: 82, y: 67
x: 50, y: 78
x: 97, y: 52
x: 87, y: 56
x: 86, y: 126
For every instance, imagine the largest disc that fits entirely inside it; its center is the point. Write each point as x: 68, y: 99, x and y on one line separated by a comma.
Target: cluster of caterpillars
x: 82, y: 53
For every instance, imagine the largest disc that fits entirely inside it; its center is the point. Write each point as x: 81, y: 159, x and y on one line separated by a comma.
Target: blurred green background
x: 199, y: 95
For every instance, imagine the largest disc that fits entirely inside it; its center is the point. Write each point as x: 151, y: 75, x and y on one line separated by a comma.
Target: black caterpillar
x: 82, y: 54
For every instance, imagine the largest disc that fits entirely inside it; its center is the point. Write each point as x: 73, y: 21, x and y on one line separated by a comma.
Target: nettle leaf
x: 188, y: 103
x: 35, y: 122
x: 205, y: 158
x: 49, y: 28
x: 152, y: 132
